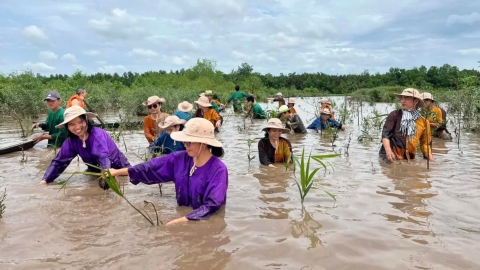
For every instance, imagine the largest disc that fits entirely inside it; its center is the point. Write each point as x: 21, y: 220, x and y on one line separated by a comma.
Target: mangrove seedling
x: 2, y: 202
x: 249, y: 143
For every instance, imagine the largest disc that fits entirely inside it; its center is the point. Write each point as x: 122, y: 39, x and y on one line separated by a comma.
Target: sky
x: 274, y: 36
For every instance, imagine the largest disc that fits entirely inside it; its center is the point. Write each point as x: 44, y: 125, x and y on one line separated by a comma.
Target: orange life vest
x: 77, y: 97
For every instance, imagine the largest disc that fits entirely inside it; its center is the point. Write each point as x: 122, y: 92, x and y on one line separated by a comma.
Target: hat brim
x: 204, y: 104
x: 284, y: 130
x: 420, y: 101
x: 51, y: 98
x: 179, y: 122
x: 182, y: 137
x: 146, y: 103
x: 88, y: 114
x: 189, y: 108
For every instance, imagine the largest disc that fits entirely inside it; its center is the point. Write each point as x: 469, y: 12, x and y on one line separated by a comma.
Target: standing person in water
x: 280, y: 99
x: 184, y: 110
x: 56, y: 136
x: 293, y: 120
x: 291, y: 103
x: 256, y: 111
x: 208, y: 112
x: 78, y: 98
x: 164, y: 144
x: 274, y: 148
x: 156, y: 116
x: 200, y: 177
x: 92, y: 144
x: 405, y: 129
x: 326, y: 104
x: 437, y: 118
x: 237, y: 98
x: 325, y: 121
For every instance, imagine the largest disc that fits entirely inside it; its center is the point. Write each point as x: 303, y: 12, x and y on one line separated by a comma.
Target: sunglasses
x: 152, y: 106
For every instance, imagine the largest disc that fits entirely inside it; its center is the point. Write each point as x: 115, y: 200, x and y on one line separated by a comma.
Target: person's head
x: 284, y: 111
x: 323, y: 102
x: 198, y: 137
x: 53, y: 100
x: 250, y: 99
x: 76, y: 121
x: 427, y: 100
x: 291, y: 102
x: 274, y: 128
x: 279, y: 95
x: 154, y: 104
x: 237, y: 87
x: 81, y: 92
x: 209, y: 94
x: 185, y: 106
x: 171, y: 124
x: 203, y: 103
x: 325, y: 114
x: 410, y: 99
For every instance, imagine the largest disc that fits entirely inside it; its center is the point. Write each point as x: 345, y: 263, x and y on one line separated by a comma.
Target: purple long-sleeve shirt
x: 100, y: 151
x: 205, y: 191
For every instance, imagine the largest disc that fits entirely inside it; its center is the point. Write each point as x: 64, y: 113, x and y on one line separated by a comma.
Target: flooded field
x: 387, y: 216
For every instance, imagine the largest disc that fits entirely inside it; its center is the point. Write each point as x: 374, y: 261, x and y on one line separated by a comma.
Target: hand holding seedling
x: 176, y: 221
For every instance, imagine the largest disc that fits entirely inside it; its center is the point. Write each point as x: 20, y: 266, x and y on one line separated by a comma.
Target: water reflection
x: 274, y: 183
x: 307, y: 227
x: 412, y: 187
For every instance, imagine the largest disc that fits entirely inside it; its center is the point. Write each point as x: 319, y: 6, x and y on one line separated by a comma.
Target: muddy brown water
x: 386, y: 216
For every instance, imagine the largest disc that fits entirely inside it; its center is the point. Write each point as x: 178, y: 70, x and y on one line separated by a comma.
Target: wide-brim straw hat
x: 426, y: 95
x: 204, y: 102
x: 279, y: 94
x: 291, y: 100
x: 185, y: 106
x: 283, y: 108
x: 208, y: 93
x: 275, y: 123
x: 323, y: 100
x: 412, y: 92
x: 171, y: 120
x: 199, y: 130
x: 325, y: 111
x: 72, y: 113
x: 152, y: 100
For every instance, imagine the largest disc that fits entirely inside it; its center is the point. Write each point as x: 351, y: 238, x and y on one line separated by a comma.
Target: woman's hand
x: 175, y: 221
x: 430, y: 157
x: 271, y: 166
x: 113, y: 172
x: 390, y: 155
x: 43, y: 182
x: 218, y: 124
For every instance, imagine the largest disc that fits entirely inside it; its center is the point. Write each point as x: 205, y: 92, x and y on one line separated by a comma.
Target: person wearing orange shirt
x: 291, y: 103
x: 208, y: 112
x: 78, y: 98
x: 156, y: 116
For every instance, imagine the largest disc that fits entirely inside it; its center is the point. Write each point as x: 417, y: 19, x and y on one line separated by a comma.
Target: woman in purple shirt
x: 200, y: 177
x: 92, y: 144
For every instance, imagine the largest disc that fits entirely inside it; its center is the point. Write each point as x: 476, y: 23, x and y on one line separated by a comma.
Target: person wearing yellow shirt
x: 437, y: 117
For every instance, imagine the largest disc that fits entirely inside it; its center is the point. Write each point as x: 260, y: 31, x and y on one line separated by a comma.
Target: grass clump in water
x: 2, y: 203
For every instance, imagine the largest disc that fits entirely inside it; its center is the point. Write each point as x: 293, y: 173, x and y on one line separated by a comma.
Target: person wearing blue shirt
x: 164, y: 144
x: 184, y: 110
x: 324, y: 121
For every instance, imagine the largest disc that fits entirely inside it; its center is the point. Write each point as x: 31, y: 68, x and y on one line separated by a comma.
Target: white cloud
x: 35, y: 34
x: 69, y: 57
x: 101, y: 62
x: 463, y: 19
x: 472, y: 51
x: 39, y: 67
x: 143, y: 53
x: 47, y: 55
x: 119, y: 24
x: 92, y: 53
x: 112, y: 69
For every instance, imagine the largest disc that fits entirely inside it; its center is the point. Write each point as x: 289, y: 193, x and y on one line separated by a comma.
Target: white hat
x: 275, y: 123
x: 291, y: 100
x: 427, y: 95
x: 72, y: 113
x: 279, y: 94
x: 185, y: 106
x: 199, y: 130
x: 325, y: 111
x: 152, y: 100
x: 412, y: 92
x: 204, y: 102
x: 171, y: 120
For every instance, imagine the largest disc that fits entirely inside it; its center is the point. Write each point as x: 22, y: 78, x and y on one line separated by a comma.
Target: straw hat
x: 208, y: 93
x: 162, y: 100
x: 324, y: 100
x: 412, y: 92
x: 279, y: 94
x: 171, y: 120
x: 283, y: 108
x: 204, y: 102
x: 201, y: 95
x: 276, y: 124
x: 185, y: 106
x: 152, y: 100
x: 291, y: 100
x: 325, y: 111
x: 72, y: 113
x: 199, y: 130
x: 426, y: 95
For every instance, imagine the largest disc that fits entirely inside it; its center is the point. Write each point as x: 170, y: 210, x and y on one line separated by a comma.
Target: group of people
x: 191, y: 153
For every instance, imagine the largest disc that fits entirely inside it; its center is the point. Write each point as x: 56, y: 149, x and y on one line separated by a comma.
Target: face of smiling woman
x: 78, y: 126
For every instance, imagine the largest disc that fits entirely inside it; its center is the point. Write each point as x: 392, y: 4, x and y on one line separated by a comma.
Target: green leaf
x: 331, y: 195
